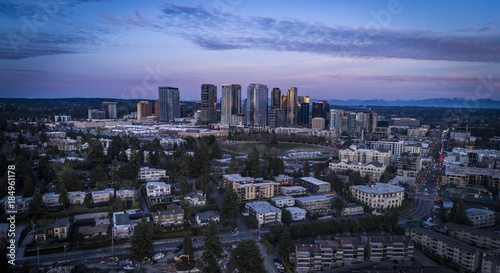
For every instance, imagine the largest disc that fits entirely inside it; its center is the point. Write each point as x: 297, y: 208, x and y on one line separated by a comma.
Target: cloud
x: 215, y: 30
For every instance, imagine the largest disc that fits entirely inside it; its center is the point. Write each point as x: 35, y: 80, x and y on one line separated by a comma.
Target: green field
x: 279, y: 149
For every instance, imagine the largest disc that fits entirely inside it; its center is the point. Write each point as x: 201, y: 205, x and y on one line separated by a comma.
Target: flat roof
x: 379, y: 188
x: 447, y: 240
x: 312, y: 198
x: 478, y: 212
x: 475, y: 231
x: 296, y: 210
x: 293, y: 188
x: 282, y: 198
x: 314, y: 181
x: 262, y: 207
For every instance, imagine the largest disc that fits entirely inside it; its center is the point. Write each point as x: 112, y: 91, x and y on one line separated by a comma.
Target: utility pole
x: 38, y: 254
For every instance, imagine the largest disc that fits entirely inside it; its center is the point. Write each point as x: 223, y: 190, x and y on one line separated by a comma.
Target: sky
x: 387, y: 49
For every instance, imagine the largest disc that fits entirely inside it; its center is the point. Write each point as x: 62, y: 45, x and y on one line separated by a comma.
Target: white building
x: 298, y: 214
x: 122, y: 226
x: 76, y: 197
x: 126, y: 195
x: 264, y: 212
x: 18, y: 205
x: 156, y: 191
x: 353, y: 210
x: 102, y: 196
x: 282, y: 201
x: 147, y: 173
x: 314, y: 185
x: 51, y: 199
x: 374, y: 169
x: 203, y: 218
x: 379, y: 196
x: 481, y: 218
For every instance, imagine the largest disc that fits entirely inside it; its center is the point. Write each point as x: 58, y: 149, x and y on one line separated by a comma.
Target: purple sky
x: 328, y: 49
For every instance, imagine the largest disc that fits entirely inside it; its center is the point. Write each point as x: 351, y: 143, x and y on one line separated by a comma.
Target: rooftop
x: 281, y: 198
x: 379, y: 188
x: 312, y: 198
x: 481, y: 232
x: 314, y: 181
x: 295, y: 210
x: 294, y: 188
x: 262, y: 207
x: 478, y: 212
x: 447, y: 240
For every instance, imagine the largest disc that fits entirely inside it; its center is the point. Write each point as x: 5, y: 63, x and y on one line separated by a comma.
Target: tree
x: 186, y: 166
x: 63, y: 195
x: 307, y: 168
x: 98, y: 175
x: 339, y: 205
x: 285, y: 243
x: 95, y: 154
x: 37, y: 207
x: 28, y: 189
x: 233, y: 165
x: 213, y: 247
x: 67, y: 176
x: 188, y: 245
x: 458, y: 214
x: 317, y: 171
x: 286, y: 216
x: 442, y: 214
x: 123, y: 155
x: 251, y: 222
x: 216, y: 150
x: 44, y: 187
x: 142, y: 240
x: 117, y: 205
x: 248, y: 258
x: 230, y: 205
x: 184, y: 185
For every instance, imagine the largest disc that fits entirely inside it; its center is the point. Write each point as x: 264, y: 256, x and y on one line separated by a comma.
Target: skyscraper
x: 208, y: 103
x: 144, y: 109
x: 230, y: 102
x: 110, y: 109
x: 257, y: 104
x: 276, y: 98
x: 292, y: 106
x: 303, y: 110
x: 169, y: 103
x: 157, y: 108
x: 336, y: 120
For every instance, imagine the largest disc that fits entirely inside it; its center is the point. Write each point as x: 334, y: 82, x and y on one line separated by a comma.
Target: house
x: 51, y: 199
x: 298, y: 214
x: 89, y: 231
x: 56, y: 230
x: 126, y: 195
x: 197, y: 198
x: 172, y: 216
x: 157, y: 191
x: 102, y: 196
x: 16, y: 205
x: 281, y: 201
x: 122, y: 226
x: 76, y: 197
x: 203, y: 218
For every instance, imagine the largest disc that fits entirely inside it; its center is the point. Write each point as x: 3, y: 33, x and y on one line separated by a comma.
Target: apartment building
x: 379, y: 195
x: 314, y: 185
x: 314, y: 203
x: 481, y: 218
x: 264, y: 212
x: 466, y: 256
x: 389, y: 248
x: 491, y: 262
x: 122, y: 225
x: 293, y: 191
x: 157, y: 191
x: 353, y: 210
x: 102, y: 196
x: 126, y: 195
x: 461, y: 176
x: 18, y: 205
x: 76, y: 197
x: 172, y: 216
x: 51, y: 199
x: 255, y: 191
x: 284, y: 180
x: 148, y: 174
x: 373, y: 170
x: 281, y: 201
x: 230, y: 180
x: 353, y: 154
x: 298, y: 214
x: 478, y: 237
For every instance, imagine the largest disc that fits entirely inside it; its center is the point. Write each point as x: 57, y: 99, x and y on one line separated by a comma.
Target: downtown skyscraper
x: 276, y: 98
x: 291, y: 110
x: 257, y: 104
x: 169, y: 103
x: 230, y: 103
x: 208, y: 103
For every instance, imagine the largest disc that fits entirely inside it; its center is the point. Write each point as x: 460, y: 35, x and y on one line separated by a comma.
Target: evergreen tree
x: 123, y: 155
x: 442, y: 214
x: 188, y: 245
x: 317, y: 171
x: 216, y: 150
x: 98, y: 175
x: 117, y: 205
x: 339, y: 205
x: 63, y: 195
x: 230, y: 205
x: 285, y: 243
x: 307, y: 168
x: 184, y: 185
x: 95, y: 154
x: 28, y: 189
x: 186, y: 166
x: 458, y: 214
x: 233, y: 165
x: 213, y: 247
x: 67, y: 176
x: 37, y: 207
x: 248, y: 258
x: 142, y: 240
x: 286, y: 217
x: 252, y: 222
x: 44, y: 187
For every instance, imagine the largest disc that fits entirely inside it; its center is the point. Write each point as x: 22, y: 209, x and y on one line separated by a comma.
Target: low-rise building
x: 203, y: 218
x: 197, y: 198
x: 76, y: 197
x: 126, y: 195
x: 491, y: 262
x: 293, y: 191
x: 466, y: 256
x: 284, y: 180
x: 264, y: 212
x: 314, y: 203
x: 51, y: 199
x: 481, y: 218
x: 102, y: 196
x: 15, y: 205
x: 255, y: 191
x: 172, y: 216
x: 56, y: 230
x: 149, y: 174
x: 314, y: 185
x: 281, y: 201
x: 353, y: 210
x: 379, y: 195
x: 122, y: 226
x: 478, y: 237
x: 390, y: 247
x: 298, y: 214
x: 230, y: 180
x: 157, y: 191
x: 91, y: 231
x: 373, y: 170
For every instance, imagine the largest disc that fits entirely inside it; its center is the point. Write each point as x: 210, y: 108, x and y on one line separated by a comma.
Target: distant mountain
x: 447, y: 103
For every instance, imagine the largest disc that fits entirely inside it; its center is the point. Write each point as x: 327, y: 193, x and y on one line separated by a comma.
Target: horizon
x: 364, y: 50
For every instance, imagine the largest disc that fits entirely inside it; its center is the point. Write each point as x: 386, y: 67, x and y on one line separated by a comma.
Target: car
x: 158, y: 256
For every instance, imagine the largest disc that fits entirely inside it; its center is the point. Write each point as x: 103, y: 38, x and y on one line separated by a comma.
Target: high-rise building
x: 144, y: 109
x: 351, y: 123
x: 96, y: 114
x: 208, y: 103
x: 303, y: 110
x: 318, y: 123
x: 157, y: 108
x: 276, y: 118
x: 276, y: 98
x: 110, y: 109
x: 230, y: 102
x: 336, y: 116
x: 169, y: 103
x: 284, y: 106
x: 257, y: 104
x: 183, y: 108
x: 292, y: 106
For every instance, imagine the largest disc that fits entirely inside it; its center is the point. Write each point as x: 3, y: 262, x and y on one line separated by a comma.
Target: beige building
x: 373, y: 170
x: 318, y: 123
x: 149, y: 174
x: 313, y: 203
x: 126, y: 195
x: 379, y: 195
x: 460, y: 176
x: 284, y: 180
x: 172, y: 216
x: 390, y: 247
x: 255, y: 191
x: 76, y: 197
x: 481, y: 218
x: 51, y: 199
x: 466, y: 256
x: 353, y: 210
x: 102, y: 196
x: 355, y: 155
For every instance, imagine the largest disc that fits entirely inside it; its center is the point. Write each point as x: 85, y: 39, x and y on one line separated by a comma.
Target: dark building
x: 208, y: 103
x: 169, y: 103
x: 276, y: 98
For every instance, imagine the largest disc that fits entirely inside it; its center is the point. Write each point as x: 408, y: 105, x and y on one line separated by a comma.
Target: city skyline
x: 340, y: 50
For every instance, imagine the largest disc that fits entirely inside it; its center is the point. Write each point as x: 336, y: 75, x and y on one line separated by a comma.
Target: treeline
x: 273, y: 139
